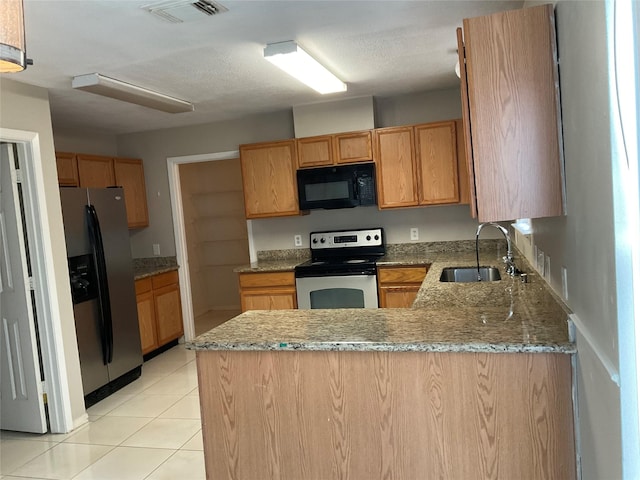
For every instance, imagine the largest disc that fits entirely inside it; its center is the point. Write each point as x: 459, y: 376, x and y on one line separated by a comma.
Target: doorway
x: 216, y: 238
x: 180, y: 232
x: 45, y: 290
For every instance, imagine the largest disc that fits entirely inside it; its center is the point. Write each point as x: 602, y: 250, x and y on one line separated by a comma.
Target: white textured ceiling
x: 378, y: 48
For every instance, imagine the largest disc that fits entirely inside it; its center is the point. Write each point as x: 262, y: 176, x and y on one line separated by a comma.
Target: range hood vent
x: 181, y: 11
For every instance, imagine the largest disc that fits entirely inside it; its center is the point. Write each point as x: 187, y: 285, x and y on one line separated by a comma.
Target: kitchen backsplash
x: 487, y: 246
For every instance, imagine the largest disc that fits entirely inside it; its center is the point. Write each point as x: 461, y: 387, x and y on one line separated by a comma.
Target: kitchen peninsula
x: 474, y: 381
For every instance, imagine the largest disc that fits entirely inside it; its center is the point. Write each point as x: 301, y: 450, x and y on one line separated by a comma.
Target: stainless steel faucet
x: 508, y: 258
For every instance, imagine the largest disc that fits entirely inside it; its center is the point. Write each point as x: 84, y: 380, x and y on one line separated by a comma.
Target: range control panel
x: 346, y: 238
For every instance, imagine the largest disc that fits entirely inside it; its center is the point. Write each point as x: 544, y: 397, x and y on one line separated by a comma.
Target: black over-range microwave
x: 342, y: 186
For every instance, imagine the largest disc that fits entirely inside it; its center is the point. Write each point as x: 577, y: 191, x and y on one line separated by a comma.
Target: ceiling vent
x: 180, y: 11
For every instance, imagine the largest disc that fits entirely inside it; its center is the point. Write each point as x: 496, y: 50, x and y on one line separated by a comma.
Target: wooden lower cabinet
x: 398, y: 286
x: 159, y: 310
x: 373, y: 415
x: 267, y: 291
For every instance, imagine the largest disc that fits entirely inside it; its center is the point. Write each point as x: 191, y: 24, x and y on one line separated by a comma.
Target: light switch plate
x: 565, y: 284
x: 540, y: 262
x: 156, y: 249
x: 547, y: 268
x: 414, y: 234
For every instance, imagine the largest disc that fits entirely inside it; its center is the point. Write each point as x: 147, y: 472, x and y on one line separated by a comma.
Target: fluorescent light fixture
x: 291, y: 58
x: 127, y: 92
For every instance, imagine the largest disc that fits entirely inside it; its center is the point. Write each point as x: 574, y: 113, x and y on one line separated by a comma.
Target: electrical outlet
x: 297, y: 240
x: 156, y: 249
x: 540, y: 262
x: 565, y: 284
x: 547, y: 268
x: 414, y: 234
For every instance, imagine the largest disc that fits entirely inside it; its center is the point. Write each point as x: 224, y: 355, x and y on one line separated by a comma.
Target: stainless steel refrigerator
x: 102, y: 288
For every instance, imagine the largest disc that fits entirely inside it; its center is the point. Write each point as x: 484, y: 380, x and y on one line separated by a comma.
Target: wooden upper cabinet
x: 269, y: 179
x: 129, y: 174
x: 395, y: 172
x: 67, y: 166
x: 334, y: 149
x: 463, y: 171
x: 510, y: 99
x: 95, y: 171
x: 315, y: 151
x: 437, y: 161
x: 417, y: 165
x: 353, y: 147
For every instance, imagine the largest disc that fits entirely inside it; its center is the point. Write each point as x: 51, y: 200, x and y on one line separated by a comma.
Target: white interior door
x: 21, y: 400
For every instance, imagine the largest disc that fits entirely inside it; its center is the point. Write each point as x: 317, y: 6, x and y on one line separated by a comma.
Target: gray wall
x: 85, y: 142
x: 156, y: 146
x: 583, y: 241
x: 26, y: 108
x: 435, y: 223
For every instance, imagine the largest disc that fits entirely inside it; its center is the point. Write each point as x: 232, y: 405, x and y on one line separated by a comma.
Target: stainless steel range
x: 342, y: 270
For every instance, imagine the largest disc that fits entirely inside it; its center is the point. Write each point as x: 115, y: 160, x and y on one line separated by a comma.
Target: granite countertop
x: 148, y: 267
x: 502, y: 316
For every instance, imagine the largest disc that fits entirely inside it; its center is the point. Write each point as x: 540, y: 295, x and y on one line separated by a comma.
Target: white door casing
x: 21, y: 402
x: 173, y: 172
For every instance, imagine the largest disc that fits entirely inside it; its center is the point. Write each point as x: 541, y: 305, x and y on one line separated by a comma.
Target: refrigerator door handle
x: 104, y: 302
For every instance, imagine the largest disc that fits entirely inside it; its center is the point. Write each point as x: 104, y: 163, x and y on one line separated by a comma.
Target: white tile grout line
x: 57, y: 442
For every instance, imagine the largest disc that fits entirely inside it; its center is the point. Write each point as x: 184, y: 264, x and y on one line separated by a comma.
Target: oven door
x: 345, y: 291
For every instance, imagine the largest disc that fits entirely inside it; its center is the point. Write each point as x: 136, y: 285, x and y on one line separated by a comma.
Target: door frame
x: 179, y: 232
x: 56, y: 383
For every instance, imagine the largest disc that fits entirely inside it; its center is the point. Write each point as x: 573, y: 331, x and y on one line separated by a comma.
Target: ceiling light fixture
x: 291, y: 58
x: 127, y: 92
x: 13, y: 55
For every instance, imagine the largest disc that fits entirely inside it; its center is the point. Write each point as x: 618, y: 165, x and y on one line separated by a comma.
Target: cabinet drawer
x: 402, y: 274
x: 275, y: 279
x: 143, y: 285
x: 164, y: 279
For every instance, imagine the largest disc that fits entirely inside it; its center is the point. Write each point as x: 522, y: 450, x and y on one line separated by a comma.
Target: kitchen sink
x: 469, y: 274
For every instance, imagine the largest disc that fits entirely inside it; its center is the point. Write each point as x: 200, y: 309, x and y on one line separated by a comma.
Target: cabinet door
x: 147, y: 322
x: 67, y: 166
x: 514, y: 120
x: 268, y: 299
x: 463, y: 174
x: 168, y: 313
x: 437, y: 161
x: 396, y: 175
x: 466, y: 127
x: 399, y: 296
x: 269, y: 179
x: 352, y: 147
x: 95, y: 171
x: 129, y: 174
x: 315, y: 151
x: 399, y: 286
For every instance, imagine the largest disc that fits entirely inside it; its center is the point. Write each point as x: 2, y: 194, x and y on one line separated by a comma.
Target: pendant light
x: 13, y: 55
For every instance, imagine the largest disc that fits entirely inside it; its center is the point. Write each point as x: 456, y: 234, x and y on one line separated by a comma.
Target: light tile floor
x: 148, y: 430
